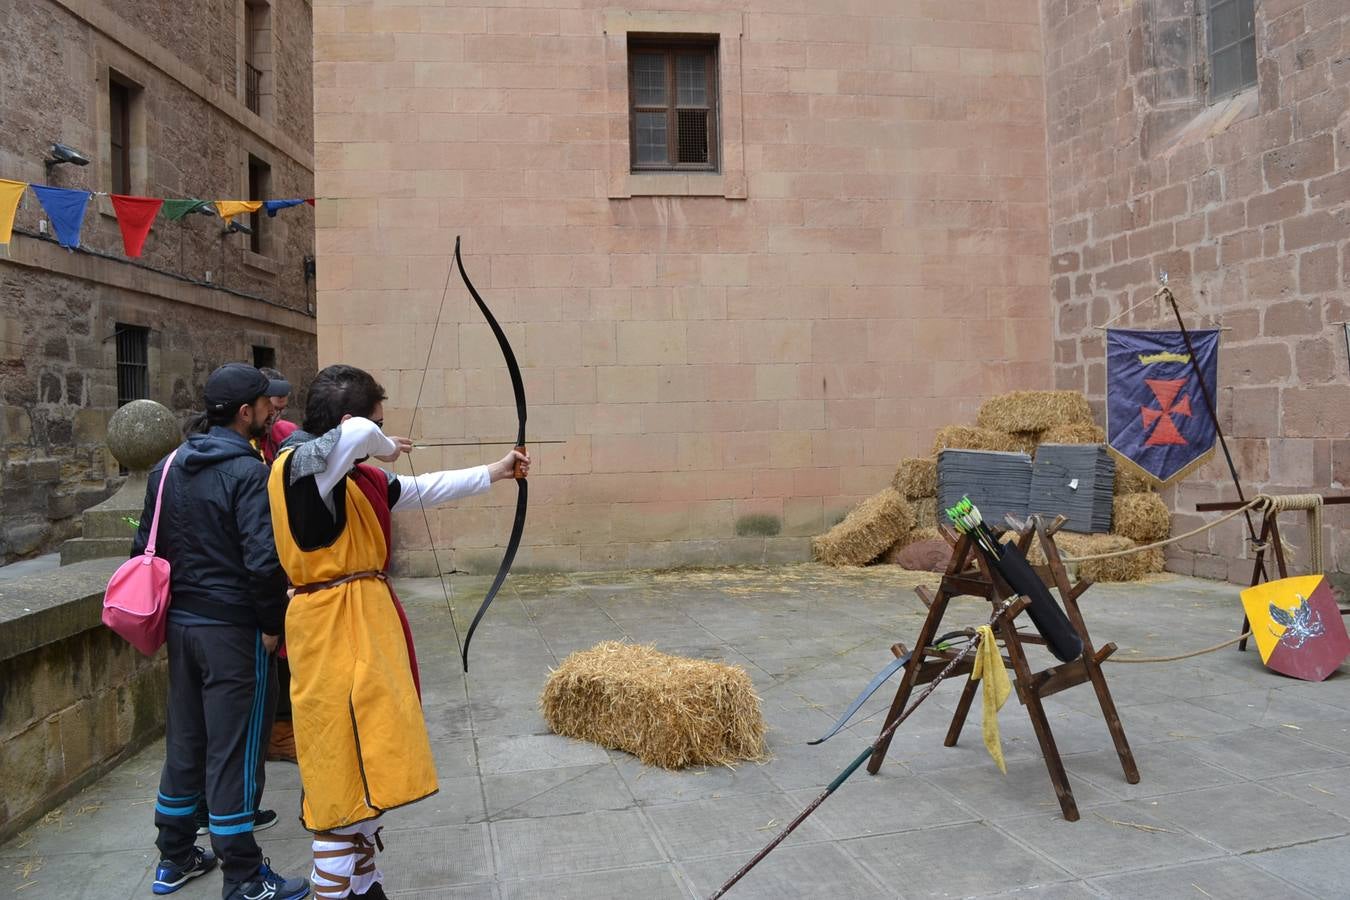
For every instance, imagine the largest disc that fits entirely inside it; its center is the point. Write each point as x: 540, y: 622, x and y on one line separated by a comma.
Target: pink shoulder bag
x: 136, y: 602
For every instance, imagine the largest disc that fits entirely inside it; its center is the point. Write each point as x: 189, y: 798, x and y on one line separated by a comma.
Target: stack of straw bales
x: 1020, y: 420
x: 866, y: 532
x: 668, y: 711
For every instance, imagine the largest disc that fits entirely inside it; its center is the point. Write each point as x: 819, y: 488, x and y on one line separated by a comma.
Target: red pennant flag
x: 134, y: 216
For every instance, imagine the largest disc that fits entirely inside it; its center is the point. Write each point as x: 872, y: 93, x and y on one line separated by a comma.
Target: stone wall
x: 75, y: 699
x: 1242, y: 202
x: 205, y: 296
x: 725, y: 355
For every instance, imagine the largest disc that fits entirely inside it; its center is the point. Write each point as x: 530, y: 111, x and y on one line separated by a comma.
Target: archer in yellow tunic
x: 360, y: 738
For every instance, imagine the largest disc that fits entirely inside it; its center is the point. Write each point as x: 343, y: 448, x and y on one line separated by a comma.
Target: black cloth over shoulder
x: 312, y: 526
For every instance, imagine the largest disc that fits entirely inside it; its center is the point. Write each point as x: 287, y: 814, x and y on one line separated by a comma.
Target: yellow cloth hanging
x: 228, y: 209
x: 11, y: 192
x: 989, y: 662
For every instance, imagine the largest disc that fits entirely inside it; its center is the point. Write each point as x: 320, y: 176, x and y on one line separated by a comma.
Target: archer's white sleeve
x: 441, y: 487
x: 357, y: 439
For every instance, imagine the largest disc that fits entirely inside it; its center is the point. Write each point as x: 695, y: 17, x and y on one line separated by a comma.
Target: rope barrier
x: 1260, y: 501
x: 1266, y: 503
x: 1200, y: 652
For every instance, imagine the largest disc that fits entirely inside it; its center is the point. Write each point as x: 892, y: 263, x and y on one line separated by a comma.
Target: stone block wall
x: 204, y: 296
x: 868, y: 265
x: 1243, y: 202
x: 75, y: 699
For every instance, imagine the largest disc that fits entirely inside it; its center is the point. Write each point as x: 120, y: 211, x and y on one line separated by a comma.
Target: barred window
x: 672, y: 91
x: 1231, y: 29
x: 133, y: 363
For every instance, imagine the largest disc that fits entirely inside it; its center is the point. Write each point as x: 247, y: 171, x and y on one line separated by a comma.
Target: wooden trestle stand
x: 969, y: 574
x: 1269, y: 539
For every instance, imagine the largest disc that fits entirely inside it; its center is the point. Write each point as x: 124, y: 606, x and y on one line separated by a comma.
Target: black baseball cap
x: 235, y: 384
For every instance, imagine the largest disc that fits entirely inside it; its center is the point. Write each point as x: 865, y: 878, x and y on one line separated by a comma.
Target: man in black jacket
x: 227, y: 607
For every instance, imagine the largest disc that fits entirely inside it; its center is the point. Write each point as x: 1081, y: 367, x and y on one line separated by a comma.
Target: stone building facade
x: 209, y: 100
x: 850, y: 252
x: 1240, y: 191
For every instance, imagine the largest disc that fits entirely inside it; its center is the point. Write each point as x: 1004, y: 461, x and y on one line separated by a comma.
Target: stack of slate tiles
x: 1076, y: 481
x: 996, y: 482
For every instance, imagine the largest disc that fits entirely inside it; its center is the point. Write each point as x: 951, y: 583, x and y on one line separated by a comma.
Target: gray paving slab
x: 1246, y: 818
x: 1231, y: 879
x: 556, y: 792
x: 811, y: 870
x: 952, y: 861
x: 648, y: 882
x: 1108, y: 839
x: 1243, y: 790
x: 1328, y: 790
x: 1321, y: 868
x: 567, y: 845
x: 1163, y: 769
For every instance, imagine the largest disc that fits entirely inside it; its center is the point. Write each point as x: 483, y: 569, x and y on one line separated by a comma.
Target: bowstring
x: 421, y: 504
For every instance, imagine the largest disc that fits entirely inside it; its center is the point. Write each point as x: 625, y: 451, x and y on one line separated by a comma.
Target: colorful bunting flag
x: 11, y: 192
x: 228, y: 209
x: 177, y: 209
x: 273, y: 206
x: 134, y: 215
x: 65, y: 208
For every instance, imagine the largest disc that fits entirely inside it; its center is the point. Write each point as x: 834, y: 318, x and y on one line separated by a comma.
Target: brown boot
x: 282, y: 745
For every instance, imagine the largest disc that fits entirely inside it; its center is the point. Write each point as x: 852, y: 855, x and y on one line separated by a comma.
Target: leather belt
x: 325, y: 585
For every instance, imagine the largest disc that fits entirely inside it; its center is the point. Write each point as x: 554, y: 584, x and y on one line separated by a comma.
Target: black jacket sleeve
x: 267, y: 580
x: 147, y: 511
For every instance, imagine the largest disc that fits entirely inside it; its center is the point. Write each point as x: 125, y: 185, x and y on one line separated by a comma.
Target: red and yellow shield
x: 1297, y: 626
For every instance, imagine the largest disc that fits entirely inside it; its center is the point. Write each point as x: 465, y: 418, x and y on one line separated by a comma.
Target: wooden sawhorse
x: 969, y: 574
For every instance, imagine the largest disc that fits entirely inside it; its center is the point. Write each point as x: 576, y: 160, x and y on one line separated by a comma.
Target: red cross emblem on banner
x: 1160, y: 420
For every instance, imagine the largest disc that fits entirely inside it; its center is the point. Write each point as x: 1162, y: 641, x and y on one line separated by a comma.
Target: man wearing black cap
x: 227, y: 607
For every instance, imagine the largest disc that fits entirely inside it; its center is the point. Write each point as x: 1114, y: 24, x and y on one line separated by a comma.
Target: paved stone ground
x: 1245, y: 790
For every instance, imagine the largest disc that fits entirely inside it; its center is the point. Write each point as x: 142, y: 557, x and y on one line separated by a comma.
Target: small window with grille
x: 133, y: 363
x: 672, y: 93
x: 1231, y: 29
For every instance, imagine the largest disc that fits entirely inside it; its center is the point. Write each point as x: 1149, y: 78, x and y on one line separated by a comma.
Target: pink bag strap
x: 159, y: 495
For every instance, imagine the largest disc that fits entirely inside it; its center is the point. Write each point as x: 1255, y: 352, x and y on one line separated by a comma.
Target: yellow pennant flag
x: 11, y: 192
x: 989, y: 669
x: 228, y: 209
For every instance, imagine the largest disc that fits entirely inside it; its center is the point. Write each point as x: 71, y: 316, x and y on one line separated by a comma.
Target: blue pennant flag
x: 1156, y: 414
x: 65, y: 208
x: 272, y: 206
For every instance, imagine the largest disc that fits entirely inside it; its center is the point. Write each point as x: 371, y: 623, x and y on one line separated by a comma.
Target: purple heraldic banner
x: 1156, y: 415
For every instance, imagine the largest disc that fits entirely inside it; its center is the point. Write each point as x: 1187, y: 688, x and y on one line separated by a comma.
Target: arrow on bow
x: 522, y: 497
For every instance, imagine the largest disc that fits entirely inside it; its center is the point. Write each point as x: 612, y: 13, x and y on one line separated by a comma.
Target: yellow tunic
x: 360, y: 737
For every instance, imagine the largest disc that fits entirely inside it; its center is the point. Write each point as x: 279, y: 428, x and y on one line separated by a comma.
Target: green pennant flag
x: 176, y: 209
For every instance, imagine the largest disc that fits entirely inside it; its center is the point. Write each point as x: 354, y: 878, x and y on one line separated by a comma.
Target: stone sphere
x: 142, y: 433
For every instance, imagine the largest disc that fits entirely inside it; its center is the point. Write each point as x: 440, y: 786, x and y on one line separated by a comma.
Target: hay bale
x: 1131, y: 479
x: 1069, y: 544
x: 1117, y: 568
x: 668, y: 711
x: 877, y: 523
x: 913, y: 536
x: 915, y: 478
x: 1027, y: 441
x: 925, y: 512
x: 1142, y: 518
x: 964, y: 437
x: 1034, y: 410
x: 1075, y: 433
